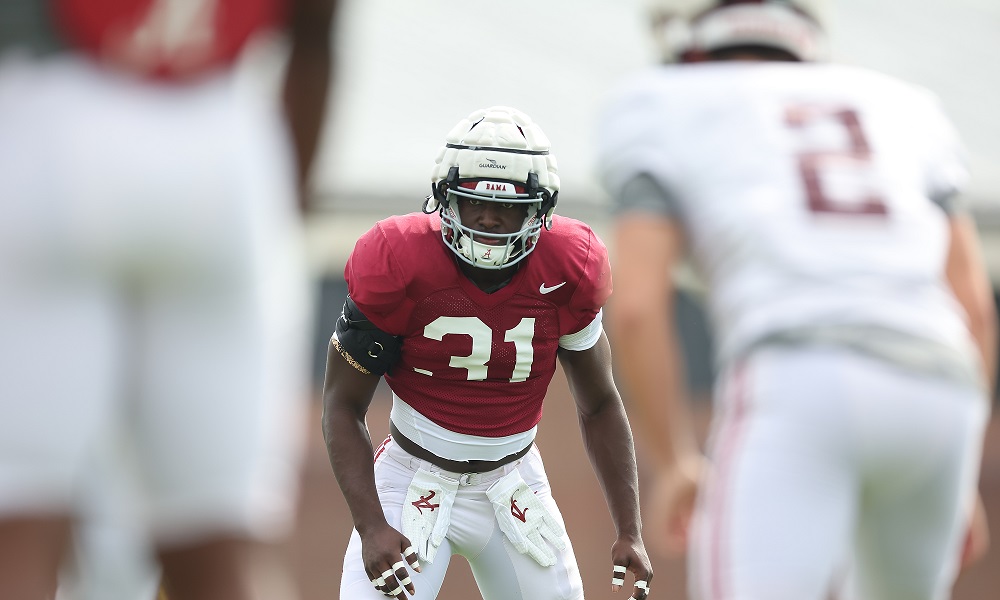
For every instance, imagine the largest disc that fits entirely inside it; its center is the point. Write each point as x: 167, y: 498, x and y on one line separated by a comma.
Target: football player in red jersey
x: 152, y: 287
x: 464, y: 309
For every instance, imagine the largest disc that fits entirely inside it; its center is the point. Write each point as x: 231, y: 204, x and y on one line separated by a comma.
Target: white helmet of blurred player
x: 670, y: 25
x: 688, y: 30
x: 497, y: 154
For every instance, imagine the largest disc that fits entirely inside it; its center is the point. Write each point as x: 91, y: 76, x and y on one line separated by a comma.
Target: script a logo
x: 487, y: 253
x: 519, y: 514
x: 425, y: 502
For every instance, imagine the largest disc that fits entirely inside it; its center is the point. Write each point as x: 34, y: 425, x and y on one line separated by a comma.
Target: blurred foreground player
x: 151, y: 278
x: 464, y: 310
x: 854, y: 322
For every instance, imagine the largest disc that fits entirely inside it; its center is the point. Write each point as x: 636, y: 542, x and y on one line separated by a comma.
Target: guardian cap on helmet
x: 496, y: 154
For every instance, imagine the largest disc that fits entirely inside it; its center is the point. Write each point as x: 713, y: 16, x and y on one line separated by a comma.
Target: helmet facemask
x: 465, y: 241
x: 494, y: 155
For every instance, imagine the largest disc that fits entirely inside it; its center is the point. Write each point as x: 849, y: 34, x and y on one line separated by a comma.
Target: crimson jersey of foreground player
x: 473, y: 362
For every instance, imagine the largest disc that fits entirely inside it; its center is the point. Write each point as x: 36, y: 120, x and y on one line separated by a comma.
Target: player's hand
x: 977, y: 538
x: 526, y: 523
x: 386, y: 554
x: 629, y: 555
x: 672, y: 504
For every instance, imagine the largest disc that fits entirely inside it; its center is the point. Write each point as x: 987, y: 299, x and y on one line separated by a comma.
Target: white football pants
x: 832, y: 466
x: 501, y: 572
x: 152, y: 280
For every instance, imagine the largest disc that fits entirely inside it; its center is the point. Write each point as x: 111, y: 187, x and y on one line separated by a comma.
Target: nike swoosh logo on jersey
x: 545, y: 290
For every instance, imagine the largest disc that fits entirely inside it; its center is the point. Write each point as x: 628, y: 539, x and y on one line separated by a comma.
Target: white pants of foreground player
x: 500, y: 571
x: 829, y: 467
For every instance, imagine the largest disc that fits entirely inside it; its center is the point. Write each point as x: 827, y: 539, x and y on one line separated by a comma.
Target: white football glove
x: 524, y: 519
x: 427, y: 511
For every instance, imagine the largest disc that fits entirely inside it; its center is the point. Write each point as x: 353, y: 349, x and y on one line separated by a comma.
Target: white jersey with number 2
x: 847, y: 426
x: 812, y: 195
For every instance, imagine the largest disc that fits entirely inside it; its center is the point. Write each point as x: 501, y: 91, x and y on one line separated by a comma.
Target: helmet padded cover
x: 489, y: 141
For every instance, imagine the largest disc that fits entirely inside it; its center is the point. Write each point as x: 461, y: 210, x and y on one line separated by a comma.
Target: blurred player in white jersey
x: 152, y: 283
x: 854, y: 322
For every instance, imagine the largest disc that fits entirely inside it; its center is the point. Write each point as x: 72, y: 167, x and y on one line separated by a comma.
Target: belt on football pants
x: 455, y: 466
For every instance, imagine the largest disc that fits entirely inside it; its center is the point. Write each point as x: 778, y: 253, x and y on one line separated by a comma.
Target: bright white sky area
x: 409, y: 70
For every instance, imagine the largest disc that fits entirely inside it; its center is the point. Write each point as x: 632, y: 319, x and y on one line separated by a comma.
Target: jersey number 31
x: 482, y: 345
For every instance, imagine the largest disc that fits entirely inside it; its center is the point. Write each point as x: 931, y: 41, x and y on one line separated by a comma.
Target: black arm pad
x: 369, y: 346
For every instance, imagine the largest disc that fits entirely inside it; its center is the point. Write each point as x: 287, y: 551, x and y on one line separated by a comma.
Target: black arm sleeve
x: 364, y: 344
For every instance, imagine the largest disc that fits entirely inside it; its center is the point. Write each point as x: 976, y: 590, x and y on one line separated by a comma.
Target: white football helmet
x: 682, y: 29
x: 670, y: 25
x: 497, y: 154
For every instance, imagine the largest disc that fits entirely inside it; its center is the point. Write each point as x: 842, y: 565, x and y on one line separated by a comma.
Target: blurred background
x: 408, y: 71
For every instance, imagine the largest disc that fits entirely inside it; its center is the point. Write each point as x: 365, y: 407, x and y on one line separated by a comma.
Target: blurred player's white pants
x: 501, y: 571
x: 111, y: 557
x: 828, y: 462
x: 151, y: 269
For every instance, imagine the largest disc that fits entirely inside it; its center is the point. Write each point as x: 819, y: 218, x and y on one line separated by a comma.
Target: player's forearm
x: 985, y: 334
x: 651, y: 366
x: 983, y: 327
x: 350, y: 450
x: 308, y: 76
x: 967, y: 276
x: 608, y: 440
x: 647, y: 354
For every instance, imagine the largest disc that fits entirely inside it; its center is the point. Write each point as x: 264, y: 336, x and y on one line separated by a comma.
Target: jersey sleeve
x: 594, y: 287
x: 629, y: 145
x: 947, y: 168
x: 643, y: 194
x: 375, y: 281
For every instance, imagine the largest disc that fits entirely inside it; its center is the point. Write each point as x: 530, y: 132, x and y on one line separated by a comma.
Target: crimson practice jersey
x: 472, y: 362
x: 167, y: 39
